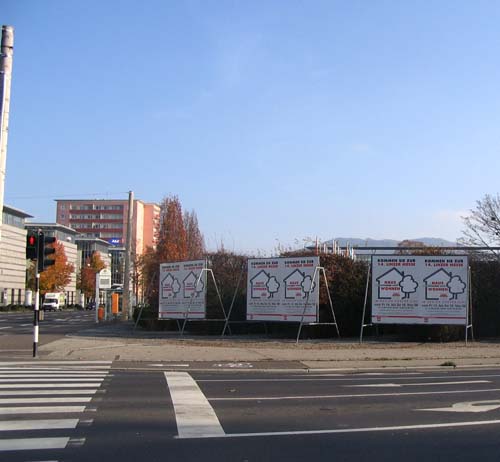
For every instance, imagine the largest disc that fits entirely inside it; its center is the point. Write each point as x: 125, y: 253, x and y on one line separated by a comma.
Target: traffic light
x: 44, y: 249
x: 32, y: 246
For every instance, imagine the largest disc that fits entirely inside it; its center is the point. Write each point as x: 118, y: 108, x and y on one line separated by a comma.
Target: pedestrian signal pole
x: 37, y: 247
x: 36, y: 314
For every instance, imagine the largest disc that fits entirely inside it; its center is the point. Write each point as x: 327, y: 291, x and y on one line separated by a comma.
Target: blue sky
x: 276, y: 121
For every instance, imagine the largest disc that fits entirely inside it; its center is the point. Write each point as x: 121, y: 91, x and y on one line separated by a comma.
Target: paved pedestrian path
x: 119, y: 341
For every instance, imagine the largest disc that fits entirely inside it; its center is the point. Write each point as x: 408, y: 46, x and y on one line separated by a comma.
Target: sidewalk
x: 119, y: 341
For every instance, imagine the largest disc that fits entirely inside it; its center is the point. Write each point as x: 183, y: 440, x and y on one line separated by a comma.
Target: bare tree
x: 482, y: 226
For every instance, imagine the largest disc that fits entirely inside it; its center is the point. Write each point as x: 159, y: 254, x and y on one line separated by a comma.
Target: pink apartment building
x: 107, y: 219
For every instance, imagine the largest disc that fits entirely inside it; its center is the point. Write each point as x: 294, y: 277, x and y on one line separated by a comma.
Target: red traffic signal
x: 32, y: 246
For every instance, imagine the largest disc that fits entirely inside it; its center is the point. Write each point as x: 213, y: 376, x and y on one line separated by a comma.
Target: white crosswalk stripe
x: 59, y: 392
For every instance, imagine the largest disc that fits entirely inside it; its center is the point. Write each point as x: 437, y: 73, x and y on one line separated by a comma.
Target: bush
x: 347, y: 283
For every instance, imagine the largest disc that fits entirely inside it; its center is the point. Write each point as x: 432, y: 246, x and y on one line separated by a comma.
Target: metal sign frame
x: 186, y: 316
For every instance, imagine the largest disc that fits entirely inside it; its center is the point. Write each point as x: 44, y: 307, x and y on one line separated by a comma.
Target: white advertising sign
x: 182, y: 289
x: 410, y: 289
x: 279, y: 288
x: 105, y: 279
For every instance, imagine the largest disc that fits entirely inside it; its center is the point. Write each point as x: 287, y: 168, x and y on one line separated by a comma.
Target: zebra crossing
x: 54, y: 322
x: 43, y: 402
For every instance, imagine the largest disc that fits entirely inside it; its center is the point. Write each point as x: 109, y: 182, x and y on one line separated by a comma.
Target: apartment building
x: 106, y: 219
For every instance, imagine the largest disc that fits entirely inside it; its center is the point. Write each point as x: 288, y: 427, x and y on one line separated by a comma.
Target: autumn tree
x: 194, y: 239
x: 179, y: 239
x: 57, y: 276
x: 172, y: 239
x: 86, y: 278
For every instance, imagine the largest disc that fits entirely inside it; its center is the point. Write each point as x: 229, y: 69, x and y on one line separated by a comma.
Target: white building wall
x: 12, y: 264
x: 71, y: 252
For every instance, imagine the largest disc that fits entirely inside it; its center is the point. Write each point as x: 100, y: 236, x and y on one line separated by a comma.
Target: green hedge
x: 347, y: 282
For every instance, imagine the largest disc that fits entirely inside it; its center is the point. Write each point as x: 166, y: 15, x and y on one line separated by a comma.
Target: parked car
x: 90, y: 306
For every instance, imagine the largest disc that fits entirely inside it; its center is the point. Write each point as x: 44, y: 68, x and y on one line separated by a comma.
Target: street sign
x: 105, y: 279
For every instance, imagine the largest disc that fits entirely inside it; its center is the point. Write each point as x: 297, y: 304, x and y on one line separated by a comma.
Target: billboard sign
x: 279, y: 288
x: 409, y: 289
x: 182, y: 290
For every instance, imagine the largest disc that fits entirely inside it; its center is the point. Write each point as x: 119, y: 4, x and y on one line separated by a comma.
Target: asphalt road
x: 242, y: 415
x: 16, y: 330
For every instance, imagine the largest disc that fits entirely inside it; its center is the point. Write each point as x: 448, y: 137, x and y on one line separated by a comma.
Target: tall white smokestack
x: 6, y: 52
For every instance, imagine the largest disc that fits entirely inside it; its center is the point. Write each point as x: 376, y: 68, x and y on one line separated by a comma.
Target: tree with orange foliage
x: 179, y: 239
x: 172, y: 240
x: 86, y: 279
x: 56, y: 276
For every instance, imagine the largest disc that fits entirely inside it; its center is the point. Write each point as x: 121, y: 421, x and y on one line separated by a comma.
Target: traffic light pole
x: 97, y: 279
x: 36, y: 314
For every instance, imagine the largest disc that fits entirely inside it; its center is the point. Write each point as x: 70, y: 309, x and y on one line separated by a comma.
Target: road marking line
x: 44, y: 375
x: 470, y: 406
x: 194, y: 415
x: 47, y: 424
x: 23, y: 444
x: 40, y: 409
x: 355, y: 430
x: 76, y: 442
x: 89, y: 391
x: 82, y: 380
x: 11, y: 371
x: 351, y: 379
x: 399, y: 385
x: 56, y: 370
x: 50, y: 385
x: 36, y: 363
x: 42, y: 461
x: 74, y: 399
x: 360, y: 395
x: 168, y: 365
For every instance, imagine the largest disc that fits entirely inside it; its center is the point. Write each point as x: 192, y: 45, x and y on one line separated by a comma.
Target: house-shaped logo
x: 258, y: 285
x: 190, y: 287
x: 436, y: 285
x: 389, y: 284
x: 298, y: 285
x: 170, y: 286
x: 442, y: 285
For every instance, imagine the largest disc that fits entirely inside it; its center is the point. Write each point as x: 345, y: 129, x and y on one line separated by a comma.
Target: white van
x: 53, y: 301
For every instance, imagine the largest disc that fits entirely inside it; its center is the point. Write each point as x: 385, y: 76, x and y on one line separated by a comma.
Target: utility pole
x: 6, y: 52
x: 127, y: 306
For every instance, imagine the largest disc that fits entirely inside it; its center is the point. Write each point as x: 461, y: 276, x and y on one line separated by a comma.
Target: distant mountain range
x: 368, y: 242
